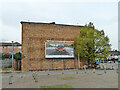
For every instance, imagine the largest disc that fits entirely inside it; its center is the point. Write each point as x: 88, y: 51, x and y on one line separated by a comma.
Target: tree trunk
x: 88, y: 62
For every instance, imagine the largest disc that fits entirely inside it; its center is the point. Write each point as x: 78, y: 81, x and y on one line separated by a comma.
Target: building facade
x: 34, y: 37
x: 7, y: 48
x: 114, y: 55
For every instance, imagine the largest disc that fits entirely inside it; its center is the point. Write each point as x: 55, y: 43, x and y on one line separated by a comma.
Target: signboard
x: 59, y: 49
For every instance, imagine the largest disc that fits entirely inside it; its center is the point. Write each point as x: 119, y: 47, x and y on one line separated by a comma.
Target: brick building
x: 6, y: 48
x: 34, y: 36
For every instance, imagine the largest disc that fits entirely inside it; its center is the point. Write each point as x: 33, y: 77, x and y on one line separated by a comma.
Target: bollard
x: 94, y: 70
x: 101, y: 66
x: 10, y: 79
x: 104, y: 68
x: 21, y: 76
x: 112, y: 66
x: 11, y: 75
x: 85, y: 68
x: 62, y: 72
x: 35, y: 77
x: 76, y: 72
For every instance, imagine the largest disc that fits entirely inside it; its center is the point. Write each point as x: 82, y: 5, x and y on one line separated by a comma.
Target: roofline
x: 9, y: 44
x: 49, y: 23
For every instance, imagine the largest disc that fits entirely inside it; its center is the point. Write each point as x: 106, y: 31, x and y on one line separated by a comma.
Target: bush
x: 9, y: 66
x: 17, y: 56
x: 4, y: 56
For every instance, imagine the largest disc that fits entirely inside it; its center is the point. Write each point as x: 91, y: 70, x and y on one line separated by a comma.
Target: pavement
x: 77, y: 79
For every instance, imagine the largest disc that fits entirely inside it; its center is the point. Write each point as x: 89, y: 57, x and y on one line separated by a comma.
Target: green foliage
x: 6, y: 56
x: 17, y: 56
x: 9, y: 66
x: 67, y: 78
x: 92, y: 43
x: 118, y: 61
x: 57, y: 86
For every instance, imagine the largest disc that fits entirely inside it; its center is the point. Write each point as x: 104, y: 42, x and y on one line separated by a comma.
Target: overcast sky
x: 103, y: 14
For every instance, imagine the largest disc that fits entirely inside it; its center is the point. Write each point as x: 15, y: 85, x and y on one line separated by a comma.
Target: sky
x: 103, y: 14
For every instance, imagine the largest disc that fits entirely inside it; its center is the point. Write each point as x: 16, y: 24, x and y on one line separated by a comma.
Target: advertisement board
x: 59, y: 49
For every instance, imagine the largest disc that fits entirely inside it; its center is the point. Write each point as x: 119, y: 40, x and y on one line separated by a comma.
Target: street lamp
x: 12, y: 55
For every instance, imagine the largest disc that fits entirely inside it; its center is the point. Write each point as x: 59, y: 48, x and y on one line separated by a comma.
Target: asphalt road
x: 80, y: 80
x: 54, y: 72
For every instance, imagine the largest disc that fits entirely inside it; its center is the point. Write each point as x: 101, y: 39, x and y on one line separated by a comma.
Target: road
x: 56, y: 72
x: 80, y: 80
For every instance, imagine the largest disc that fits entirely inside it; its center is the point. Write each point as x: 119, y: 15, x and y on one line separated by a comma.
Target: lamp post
x: 10, y: 77
x: 12, y: 55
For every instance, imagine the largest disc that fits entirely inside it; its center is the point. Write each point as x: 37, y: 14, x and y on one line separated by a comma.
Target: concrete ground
x: 71, y: 78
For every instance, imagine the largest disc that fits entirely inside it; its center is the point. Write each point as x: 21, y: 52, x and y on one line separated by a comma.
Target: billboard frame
x: 60, y: 58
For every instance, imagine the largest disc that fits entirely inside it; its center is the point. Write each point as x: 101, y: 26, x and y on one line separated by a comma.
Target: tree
x: 17, y: 56
x: 5, y: 56
x: 91, y: 43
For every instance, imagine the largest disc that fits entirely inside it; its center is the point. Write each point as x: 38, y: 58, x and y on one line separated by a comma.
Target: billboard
x: 59, y: 49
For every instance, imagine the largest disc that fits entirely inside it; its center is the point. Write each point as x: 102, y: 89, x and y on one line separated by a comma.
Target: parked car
x: 60, y: 48
x: 110, y: 62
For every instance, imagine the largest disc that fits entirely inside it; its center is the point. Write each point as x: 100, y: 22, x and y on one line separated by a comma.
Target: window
x: 19, y: 46
x: 15, y: 46
x: 9, y: 46
x: 3, y: 46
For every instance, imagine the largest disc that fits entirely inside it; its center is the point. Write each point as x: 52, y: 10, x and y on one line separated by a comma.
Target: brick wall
x: 9, y: 50
x: 35, y: 33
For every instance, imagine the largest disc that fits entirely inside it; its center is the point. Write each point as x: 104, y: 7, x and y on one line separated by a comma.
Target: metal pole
x: 12, y: 55
x: 74, y: 57
x: 48, y: 67
x: 63, y: 67
x: 78, y: 61
x: 29, y: 55
x: 64, y: 64
x: 53, y: 64
x: 41, y: 66
x: 74, y: 62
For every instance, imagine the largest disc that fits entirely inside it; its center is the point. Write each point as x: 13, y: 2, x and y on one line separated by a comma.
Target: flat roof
x: 10, y: 44
x: 50, y: 23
